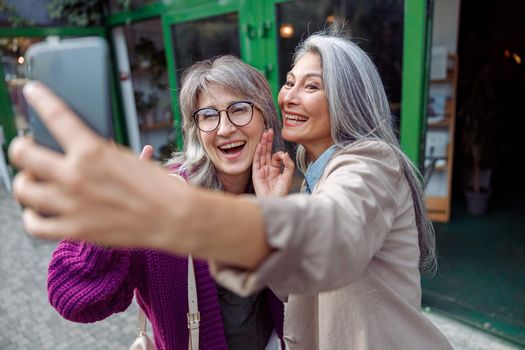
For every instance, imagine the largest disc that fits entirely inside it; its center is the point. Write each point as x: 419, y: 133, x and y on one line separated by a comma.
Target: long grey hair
x: 235, y: 76
x: 359, y: 111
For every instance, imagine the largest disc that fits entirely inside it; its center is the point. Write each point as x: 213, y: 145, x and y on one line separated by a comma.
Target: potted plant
x: 478, y: 116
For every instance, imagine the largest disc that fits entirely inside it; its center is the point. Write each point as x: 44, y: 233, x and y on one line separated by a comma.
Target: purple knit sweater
x: 87, y: 283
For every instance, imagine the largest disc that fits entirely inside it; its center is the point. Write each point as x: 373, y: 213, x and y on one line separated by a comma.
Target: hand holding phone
x: 77, y: 70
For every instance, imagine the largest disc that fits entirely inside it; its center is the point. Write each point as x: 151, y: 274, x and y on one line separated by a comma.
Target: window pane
x: 376, y: 26
x: 206, y: 38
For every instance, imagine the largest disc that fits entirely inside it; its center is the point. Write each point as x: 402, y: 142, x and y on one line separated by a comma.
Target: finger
x: 40, y: 161
x: 51, y: 227
x: 147, y: 153
x: 262, y: 155
x: 268, y: 139
x: 257, y: 158
x: 275, y: 169
x: 276, y: 159
x: 289, y: 165
x: 42, y: 227
x: 36, y: 194
x: 59, y: 119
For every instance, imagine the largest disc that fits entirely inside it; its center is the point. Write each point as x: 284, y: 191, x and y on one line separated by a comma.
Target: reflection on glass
x: 148, y: 71
x: 12, y: 51
x: 147, y: 61
x: 376, y: 26
x: 30, y: 13
x: 206, y: 38
x: 127, y: 5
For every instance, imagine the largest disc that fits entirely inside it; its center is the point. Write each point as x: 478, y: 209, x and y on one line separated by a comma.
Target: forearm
x: 221, y: 227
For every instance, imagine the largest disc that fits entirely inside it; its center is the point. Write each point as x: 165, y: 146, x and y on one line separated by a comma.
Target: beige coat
x: 347, y: 258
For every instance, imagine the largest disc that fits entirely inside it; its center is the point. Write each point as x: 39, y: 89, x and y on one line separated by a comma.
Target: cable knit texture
x: 87, y: 283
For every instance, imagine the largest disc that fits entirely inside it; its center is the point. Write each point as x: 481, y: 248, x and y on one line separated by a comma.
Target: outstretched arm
x: 268, y: 180
x: 104, y: 194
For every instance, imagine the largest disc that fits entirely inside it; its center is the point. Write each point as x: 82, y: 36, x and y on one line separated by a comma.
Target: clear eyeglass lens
x: 240, y: 113
x: 207, y: 119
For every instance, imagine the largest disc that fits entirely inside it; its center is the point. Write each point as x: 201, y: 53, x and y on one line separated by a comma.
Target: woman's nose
x: 290, y: 96
x: 226, y: 127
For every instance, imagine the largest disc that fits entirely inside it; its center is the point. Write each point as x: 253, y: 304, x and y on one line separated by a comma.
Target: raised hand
x: 268, y: 180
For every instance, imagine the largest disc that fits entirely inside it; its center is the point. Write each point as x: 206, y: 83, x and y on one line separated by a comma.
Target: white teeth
x: 296, y: 118
x: 232, y: 145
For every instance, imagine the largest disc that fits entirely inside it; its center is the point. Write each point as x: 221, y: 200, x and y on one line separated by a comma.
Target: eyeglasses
x: 239, y: 113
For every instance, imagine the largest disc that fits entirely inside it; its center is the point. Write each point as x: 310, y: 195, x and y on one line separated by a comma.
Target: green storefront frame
x: 259, y: 48
x: 416, y: 43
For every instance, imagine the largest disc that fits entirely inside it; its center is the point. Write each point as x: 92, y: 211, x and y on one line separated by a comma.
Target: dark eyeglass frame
x: 195, y: 120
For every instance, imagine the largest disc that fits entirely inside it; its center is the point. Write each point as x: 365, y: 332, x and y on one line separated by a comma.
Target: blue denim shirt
x: 315, y: 169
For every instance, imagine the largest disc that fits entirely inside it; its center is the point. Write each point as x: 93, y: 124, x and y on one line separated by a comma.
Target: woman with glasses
x: 226, y: 106
x: 348, y: 253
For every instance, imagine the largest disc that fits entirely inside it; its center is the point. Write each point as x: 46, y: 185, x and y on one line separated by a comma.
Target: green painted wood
x: 200, y: 12
x: 46, y: 31
x: 6, y: 112
x: 414, y: 78
x: 271, y: 63
x: 159, y: 8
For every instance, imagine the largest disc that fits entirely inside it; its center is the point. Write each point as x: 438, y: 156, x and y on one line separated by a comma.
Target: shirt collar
x: 316, y: 168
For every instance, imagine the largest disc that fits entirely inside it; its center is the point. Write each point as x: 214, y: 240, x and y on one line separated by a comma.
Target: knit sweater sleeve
x: 87, y: 283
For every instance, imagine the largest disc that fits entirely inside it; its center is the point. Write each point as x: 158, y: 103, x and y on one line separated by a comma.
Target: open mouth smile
x: 294, y: 119
x: 232, y: 147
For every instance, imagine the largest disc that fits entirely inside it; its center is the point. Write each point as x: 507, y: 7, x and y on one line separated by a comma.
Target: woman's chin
x: 290, y: 136
x: 236, y: 169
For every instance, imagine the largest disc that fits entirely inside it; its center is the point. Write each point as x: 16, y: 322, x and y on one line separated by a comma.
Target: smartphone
x: 77, y: 70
